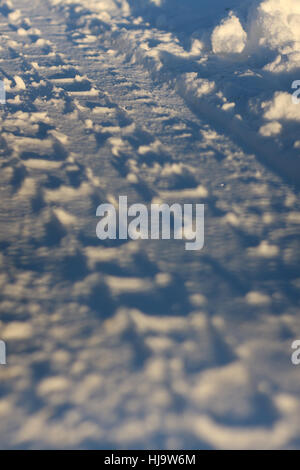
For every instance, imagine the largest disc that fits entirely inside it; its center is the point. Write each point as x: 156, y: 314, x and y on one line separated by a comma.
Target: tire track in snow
x: 132, y: 374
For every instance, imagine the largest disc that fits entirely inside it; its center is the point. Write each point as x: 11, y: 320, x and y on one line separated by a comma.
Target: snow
x: 280, y: 107
x: 229, y: 37
x: 138, y: 343
x: 275, y: 25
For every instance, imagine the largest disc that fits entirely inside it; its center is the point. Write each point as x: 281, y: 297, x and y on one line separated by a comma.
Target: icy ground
x: 143, y: 344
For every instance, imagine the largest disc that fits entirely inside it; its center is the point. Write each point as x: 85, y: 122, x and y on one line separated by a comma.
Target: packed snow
x: 139, y: 343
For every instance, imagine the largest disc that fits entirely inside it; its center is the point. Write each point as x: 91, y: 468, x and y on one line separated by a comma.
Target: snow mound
x: 272, y: 25
x: 276, y: 24
x: 229, y: 37
x: 281, y: 107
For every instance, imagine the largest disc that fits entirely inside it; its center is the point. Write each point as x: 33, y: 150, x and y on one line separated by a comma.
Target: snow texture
x: 141, y: 344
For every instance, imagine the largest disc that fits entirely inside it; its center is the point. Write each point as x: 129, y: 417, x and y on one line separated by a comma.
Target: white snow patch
x: 270, y: 129
x: 257, y: 298
x: 275, y: 25
x: 229, y: 37
x: 281, y: 107
x: 264, y: 250
x: 20, y: 85
x: 199, y: 86
x: 17, y: 331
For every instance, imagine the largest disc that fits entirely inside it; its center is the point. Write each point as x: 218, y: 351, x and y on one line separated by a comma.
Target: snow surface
x: 140, y: 344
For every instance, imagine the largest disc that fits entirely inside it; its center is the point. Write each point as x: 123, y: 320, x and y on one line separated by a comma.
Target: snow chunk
x: 276, y: 23
x: 229, y: 37
x: 270, y: 129
x: 263, y: 250
x: 198, y: 86
x: 257, y: 298
x: 53, y: 384
x: 20, y: 85
x: 17, y: 331
x: 281, y: 107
